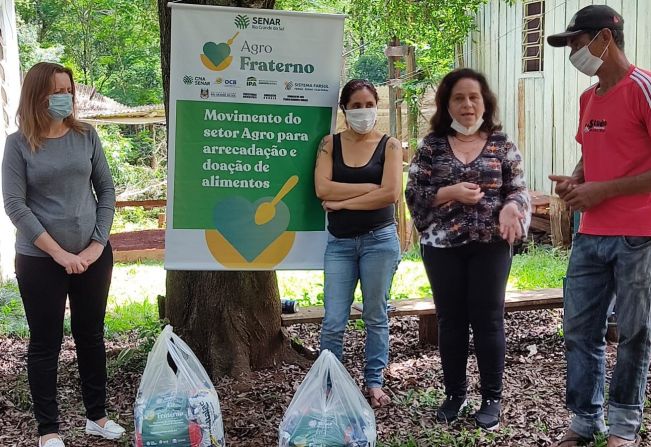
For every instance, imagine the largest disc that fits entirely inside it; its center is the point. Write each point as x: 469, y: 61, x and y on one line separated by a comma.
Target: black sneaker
x: 450, y: 408
x: 488, y: 416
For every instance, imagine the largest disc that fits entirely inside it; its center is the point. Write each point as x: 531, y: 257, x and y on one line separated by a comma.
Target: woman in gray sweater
x: 59, y: 194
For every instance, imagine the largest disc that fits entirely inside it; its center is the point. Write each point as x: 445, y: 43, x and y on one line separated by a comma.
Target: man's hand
x: 564, y: 184
x: 586, y: 195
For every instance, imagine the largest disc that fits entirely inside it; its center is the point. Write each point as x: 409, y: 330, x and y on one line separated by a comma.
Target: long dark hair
x: 442, y: 120
x: 351, y: 87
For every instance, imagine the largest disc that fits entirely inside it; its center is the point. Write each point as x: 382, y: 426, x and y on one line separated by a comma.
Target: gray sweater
x: 52, y: 190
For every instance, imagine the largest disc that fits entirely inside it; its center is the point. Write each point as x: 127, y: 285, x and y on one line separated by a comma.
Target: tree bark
x: 231, y: 320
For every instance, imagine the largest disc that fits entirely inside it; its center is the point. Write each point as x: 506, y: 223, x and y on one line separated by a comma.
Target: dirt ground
x: 533, y: 412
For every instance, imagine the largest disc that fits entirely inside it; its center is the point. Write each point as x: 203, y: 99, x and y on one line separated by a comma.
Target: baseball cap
x: 590, y: 18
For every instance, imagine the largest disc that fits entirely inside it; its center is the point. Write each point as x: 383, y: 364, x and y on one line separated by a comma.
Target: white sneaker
x: 111, y: 430
x: 52, y: 442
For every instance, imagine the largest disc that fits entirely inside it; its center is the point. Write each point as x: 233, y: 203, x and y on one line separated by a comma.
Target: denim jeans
x: 371, y: 258
x: 600, y: 268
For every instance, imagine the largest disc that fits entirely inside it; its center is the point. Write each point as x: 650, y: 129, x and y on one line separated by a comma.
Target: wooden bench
x: 425, y: 310
x: 131, y: 246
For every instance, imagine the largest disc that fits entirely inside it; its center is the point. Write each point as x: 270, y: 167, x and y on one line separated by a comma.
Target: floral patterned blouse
x: 497, y: 170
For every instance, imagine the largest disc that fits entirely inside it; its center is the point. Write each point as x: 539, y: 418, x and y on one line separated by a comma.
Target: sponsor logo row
x: 252, y: 81
x: 206, y: 93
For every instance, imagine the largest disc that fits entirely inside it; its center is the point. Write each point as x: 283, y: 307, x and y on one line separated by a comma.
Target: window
x: 532, y: 35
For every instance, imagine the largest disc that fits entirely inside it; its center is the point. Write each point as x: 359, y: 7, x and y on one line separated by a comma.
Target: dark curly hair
x: 442, y: 120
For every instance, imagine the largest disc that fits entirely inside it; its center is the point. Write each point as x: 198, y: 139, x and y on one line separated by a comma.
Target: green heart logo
x: 217, y: 53
x: 234, y: 218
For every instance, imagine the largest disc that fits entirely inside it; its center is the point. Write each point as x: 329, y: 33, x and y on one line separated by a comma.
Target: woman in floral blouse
x: 468, y: 199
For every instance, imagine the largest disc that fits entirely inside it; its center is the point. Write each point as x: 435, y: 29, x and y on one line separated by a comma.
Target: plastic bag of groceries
x: 176, y: 402
x: 328, y: 410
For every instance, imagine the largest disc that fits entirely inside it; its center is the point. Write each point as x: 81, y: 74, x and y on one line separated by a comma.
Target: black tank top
x: 351, y: 223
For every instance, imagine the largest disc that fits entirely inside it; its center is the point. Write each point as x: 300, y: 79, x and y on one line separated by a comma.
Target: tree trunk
x: 230, y: 319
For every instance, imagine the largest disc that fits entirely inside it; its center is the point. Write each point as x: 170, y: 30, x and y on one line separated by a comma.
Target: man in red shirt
x: 611, y: 254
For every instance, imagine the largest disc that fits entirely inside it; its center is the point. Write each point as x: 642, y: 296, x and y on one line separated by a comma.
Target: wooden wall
x: 540, y: 110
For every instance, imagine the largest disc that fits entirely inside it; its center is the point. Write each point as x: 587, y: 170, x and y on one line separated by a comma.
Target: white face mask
x: 463, y: 130
x: 586, y: 62
x: 361, y: 121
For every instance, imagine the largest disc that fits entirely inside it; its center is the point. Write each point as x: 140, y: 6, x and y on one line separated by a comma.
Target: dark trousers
x: 44, y: 286
x: 468, y: 283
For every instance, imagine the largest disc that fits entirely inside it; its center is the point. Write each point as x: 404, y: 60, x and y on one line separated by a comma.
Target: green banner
x: 248, y: 151
x: 252, y: 93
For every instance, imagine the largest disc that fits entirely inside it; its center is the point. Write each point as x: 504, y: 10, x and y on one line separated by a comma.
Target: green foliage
x: 142, y: 148
x: 138, y: 316
x: 112, y: 45
x: 12, y: 314
x: 135, y: 219
x: 131, y: 303
x: 433, y: 27
x: 371, y: 66
x: 120, y: 152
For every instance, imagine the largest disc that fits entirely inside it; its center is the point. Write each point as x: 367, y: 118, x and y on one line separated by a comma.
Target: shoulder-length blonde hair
x: 33, y: 118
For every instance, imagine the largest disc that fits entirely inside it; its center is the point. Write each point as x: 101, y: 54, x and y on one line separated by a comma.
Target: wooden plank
x: 543, y: 154
x: 508, y: 107
x: 493, y: 44
x: 428, y: 330
x: 143, y: 203
x: 539, y: 202
x: 540, y: 224
x: 514, y: 301
x: 629, y: 12
x: 560, y: 219
x: 502, y: 55
x: 522, y: 125
x: 482, y: 45
x: 548, y: 101
x: 558, y: 80
x: 156, y: 254
x: 643, y: 50
x: 396, y: 51
x: 570, y: 97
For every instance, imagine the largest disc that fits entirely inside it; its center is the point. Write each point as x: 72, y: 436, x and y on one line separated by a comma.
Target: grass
x: 132, y: 301
x: 541, y: 267
x: 134, y: 219
x: 131, y: 305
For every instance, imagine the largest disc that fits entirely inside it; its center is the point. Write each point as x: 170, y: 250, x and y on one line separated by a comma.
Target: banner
x: 252, y: 93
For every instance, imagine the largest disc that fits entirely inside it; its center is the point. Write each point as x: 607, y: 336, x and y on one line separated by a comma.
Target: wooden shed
x: 536, y: 86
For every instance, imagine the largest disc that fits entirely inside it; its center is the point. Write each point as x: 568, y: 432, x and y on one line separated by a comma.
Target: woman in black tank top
x: 358, y: 176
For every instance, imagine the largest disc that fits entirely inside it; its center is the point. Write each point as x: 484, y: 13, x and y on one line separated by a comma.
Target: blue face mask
x: 60, y: 105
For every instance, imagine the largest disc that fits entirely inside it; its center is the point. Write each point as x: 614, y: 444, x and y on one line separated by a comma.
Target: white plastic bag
x: 328, y: 410
x: 179, y: 408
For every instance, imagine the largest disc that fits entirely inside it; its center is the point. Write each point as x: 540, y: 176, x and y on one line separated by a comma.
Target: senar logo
x: 242, y: 21
x: 217, y: 57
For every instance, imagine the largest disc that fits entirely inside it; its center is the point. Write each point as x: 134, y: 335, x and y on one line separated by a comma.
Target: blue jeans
x: 600, y: 268
x: 371, y: 258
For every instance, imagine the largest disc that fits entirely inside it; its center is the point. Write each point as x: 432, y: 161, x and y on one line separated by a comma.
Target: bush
x: 371, y: 66
x: 125, y: 158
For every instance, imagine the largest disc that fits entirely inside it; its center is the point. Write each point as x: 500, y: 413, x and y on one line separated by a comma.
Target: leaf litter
x: 533, y: 406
